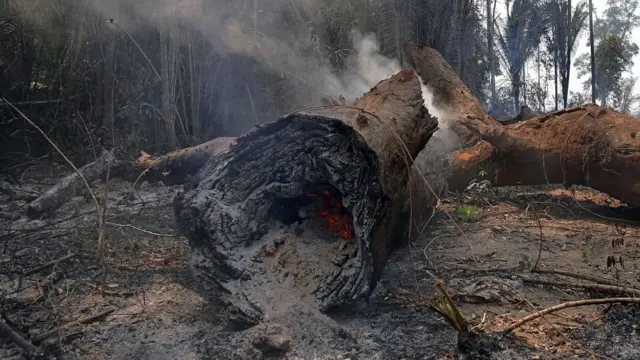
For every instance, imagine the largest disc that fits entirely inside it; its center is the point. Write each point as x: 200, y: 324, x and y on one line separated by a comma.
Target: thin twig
x: 139, y: 229
x: 578, y: 276
x: 595, y: 287
x: 81, y: 321
x: 537, y: 314
x: 49, y: 264
x: 533, y: 209
x: 6, y: 331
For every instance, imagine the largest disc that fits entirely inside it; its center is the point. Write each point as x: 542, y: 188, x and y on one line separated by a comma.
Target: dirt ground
x: 484, y: 255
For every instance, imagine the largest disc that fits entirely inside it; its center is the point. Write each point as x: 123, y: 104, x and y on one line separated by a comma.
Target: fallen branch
x: 566, y: 305
x: 82, y: 321
x: 31, y: 350
x: 577, y: 276
x: 80, y: 177
x: 139, y: 229
x: 49, y: 264
x: 173, y: 168
x: 594, y: 287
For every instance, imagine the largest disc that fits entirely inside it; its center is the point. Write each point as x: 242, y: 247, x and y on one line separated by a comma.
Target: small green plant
x: 467, y: 213
x: 525, y: 262
x: 483, y: 173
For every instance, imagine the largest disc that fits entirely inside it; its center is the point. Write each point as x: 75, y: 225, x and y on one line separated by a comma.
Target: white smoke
x: 448, y: 138
x: 258, y: 31
x: 366, y: 68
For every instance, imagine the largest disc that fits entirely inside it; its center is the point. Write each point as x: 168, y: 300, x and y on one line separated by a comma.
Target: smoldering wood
x: 589, y: 145
x: 255, y: 246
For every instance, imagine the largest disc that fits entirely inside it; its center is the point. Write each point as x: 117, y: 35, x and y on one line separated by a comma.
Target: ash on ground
x: 160, y: 316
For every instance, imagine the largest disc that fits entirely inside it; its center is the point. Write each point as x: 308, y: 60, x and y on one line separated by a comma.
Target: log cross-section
x: 251, y: 214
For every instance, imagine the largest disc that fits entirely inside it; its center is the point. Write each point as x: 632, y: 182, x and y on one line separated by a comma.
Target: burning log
x: 590, y: 145
x: 307, y: 208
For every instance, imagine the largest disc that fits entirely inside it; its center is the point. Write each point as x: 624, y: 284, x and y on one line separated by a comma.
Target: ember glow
x: 332, y: 212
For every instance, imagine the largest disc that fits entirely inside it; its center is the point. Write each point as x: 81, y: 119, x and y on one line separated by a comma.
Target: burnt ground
x: 482, y: 258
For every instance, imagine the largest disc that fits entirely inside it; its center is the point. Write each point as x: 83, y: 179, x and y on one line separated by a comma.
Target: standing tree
x: 592, y: 53
x: 490, y: 28
x: 518, y: 39
x: 564, y: 31
x: 613, y: 50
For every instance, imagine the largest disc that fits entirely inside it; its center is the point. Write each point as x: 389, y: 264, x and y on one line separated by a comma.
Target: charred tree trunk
x: 590, y: 145
x: 173, y: 168
x: 306, y: 209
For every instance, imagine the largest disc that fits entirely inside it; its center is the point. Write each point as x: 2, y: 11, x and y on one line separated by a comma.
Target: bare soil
x: 482, y: 256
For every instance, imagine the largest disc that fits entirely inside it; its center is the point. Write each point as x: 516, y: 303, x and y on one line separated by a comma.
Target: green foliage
x: 467, y: 213
x: 613, y: 54
x: 525, y: 262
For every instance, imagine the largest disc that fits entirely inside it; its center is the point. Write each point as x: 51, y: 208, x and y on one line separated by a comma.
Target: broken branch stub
x: 307, y: 208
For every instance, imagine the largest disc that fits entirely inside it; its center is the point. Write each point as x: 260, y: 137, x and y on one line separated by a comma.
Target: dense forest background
x: 162, y: 74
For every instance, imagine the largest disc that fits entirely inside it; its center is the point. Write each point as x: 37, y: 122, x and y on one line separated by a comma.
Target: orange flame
x: 331, y: 213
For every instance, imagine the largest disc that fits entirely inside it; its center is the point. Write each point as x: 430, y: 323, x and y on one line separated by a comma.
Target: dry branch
x: 70, y: 186
x: 82, y: 321
x: 261, y: 216
x: 172, y: 168
x: 49, y: 264
x: 593, y: 287
x: 590, y: 145
x: 6, y: 331
x: 566, y: 305
x: 595, y: 279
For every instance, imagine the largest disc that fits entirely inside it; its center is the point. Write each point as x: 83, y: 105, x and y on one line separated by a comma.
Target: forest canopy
x: 160, y: 75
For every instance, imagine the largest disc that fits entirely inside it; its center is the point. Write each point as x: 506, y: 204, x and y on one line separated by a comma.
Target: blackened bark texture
x: 589, y: 145
x: 254, y: 244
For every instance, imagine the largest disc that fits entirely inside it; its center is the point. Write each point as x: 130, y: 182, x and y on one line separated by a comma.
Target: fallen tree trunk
x: 70, y: 186
x: 590, y: 145
x: 306, y: 209
x: 172, y: 168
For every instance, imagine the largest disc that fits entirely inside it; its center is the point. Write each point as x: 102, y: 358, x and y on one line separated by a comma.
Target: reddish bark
x: 590, y: 145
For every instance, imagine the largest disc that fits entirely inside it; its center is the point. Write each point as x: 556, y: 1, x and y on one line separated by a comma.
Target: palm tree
x: 593, y: 54
x: 517, y: 39
x: 562, y: 41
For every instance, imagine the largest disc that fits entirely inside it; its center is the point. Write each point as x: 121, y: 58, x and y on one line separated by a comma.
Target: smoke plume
x: 280, y: 35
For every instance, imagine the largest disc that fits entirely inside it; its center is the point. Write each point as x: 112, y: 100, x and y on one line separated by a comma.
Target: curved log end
x: 286, y: 215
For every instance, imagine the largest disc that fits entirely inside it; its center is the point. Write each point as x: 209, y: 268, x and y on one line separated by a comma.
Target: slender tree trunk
x: 565, y: 88
x: 593, y: 54
x: 524, y: 84
x: 167, y: 72
x: 490, y: 53
x: 108, y: 81
x: 516, y: 91
x: 555, y: 70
